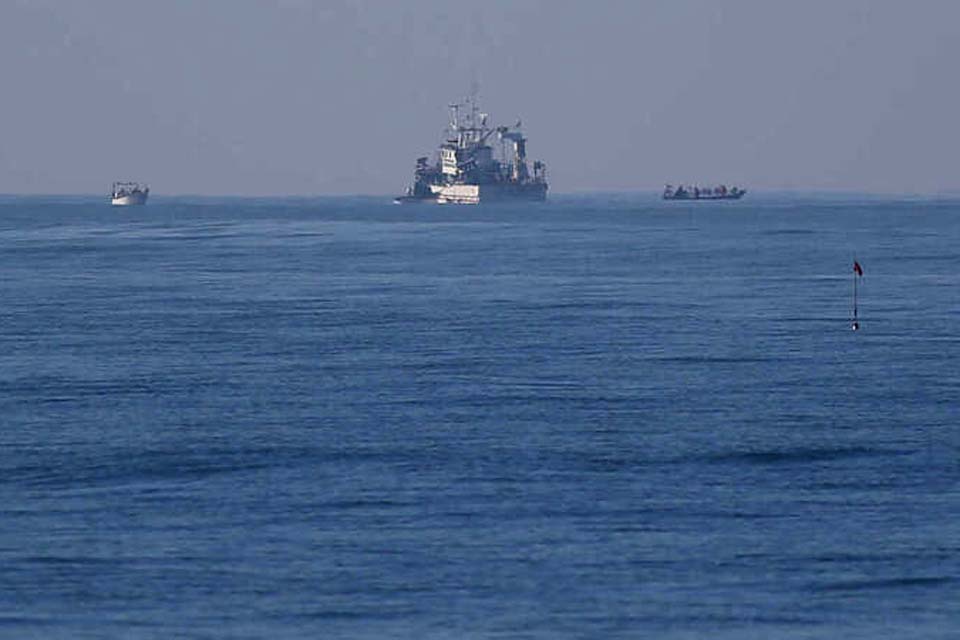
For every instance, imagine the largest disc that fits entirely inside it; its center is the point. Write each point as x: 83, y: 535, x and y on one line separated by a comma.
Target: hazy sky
x: 339, y: 96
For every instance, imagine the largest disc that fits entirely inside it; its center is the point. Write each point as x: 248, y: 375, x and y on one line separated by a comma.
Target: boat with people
x: 129, y: 193
x: 720, y: 192
x: 468, y: 171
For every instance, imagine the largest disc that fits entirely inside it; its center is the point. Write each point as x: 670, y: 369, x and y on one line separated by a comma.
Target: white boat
x: 129, y: 193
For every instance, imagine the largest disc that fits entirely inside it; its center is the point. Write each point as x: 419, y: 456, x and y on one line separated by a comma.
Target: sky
x: 331, y: 97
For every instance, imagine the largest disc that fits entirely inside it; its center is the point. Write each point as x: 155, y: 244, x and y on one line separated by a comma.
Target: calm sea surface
x: 601, y: 417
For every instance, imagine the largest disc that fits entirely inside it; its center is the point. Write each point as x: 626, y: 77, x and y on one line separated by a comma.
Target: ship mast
x: 455, y: 116
x: 471, y: 129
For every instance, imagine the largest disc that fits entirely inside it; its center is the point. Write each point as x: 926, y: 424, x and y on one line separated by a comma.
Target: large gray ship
x: 466, y: 169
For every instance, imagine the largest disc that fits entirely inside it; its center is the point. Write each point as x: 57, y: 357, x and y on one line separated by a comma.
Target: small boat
x: 721, y: 192
x: 129, y: 193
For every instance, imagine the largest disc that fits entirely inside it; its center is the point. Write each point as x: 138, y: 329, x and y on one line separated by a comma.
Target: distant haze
x: 338, y: 97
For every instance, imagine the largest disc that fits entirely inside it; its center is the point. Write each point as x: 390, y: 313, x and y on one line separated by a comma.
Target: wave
x: 120, y: 467
x: 788, y: 232
x: 811, y: 454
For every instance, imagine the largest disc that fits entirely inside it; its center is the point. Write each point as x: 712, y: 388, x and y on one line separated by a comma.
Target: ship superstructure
x: 468, y: 171
x: 127, y: 193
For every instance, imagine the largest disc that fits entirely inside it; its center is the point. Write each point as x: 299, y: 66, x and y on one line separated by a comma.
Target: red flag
x: 857, y: 269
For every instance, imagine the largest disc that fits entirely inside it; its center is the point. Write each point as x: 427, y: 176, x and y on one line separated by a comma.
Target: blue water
x: 601, y: 417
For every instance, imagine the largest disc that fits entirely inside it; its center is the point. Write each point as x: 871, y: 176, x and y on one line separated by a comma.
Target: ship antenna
x: 474, y: 92
x: 455, y: 114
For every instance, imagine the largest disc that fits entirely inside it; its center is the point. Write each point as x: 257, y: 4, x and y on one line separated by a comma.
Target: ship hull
x: 485, y: 193
x: 479, y: 193
x: 129, y: 199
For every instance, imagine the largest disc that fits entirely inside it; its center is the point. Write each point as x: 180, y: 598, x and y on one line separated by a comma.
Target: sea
x: 603, y: 416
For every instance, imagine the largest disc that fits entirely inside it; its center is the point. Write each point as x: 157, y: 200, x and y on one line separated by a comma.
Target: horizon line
x: 949, y: 193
